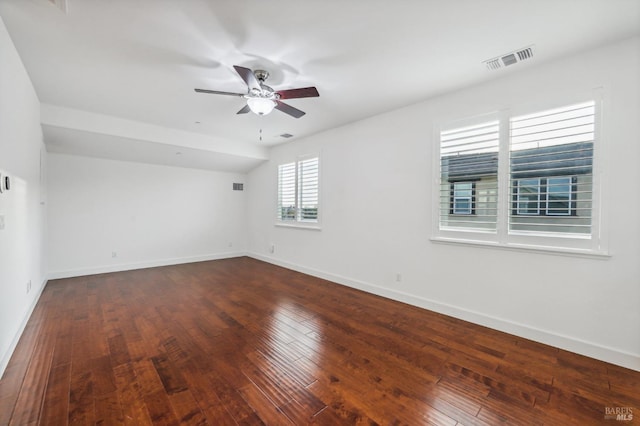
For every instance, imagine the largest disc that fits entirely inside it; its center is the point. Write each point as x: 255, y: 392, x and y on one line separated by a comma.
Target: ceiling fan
x: 262, y: 99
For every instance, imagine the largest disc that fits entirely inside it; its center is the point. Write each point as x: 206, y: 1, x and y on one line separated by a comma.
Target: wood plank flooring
x: 242, y: 342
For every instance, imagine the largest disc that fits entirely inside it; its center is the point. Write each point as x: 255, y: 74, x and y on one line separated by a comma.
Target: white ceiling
x: 116, y: 77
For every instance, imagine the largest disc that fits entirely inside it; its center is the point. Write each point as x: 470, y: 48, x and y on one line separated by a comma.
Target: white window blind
x: 287, y: 191
x: 298, y: 189
x: 308, y: 189
x: 555, y: 149
x: 469, y: 159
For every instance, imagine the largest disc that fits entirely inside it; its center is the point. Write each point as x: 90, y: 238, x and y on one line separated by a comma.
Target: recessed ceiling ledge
x: 57, y: 116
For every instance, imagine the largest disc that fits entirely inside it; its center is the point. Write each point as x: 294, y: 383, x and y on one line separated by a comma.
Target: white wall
x: 149, y: 215
x: 377, y: 183
x: 22, y: 239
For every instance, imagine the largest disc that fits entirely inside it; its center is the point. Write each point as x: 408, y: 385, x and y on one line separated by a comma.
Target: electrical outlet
x: 398, y: 277
x: 1, y: 221
x: 272, y: 248
x: 114, y: 254
x: 28, y: 286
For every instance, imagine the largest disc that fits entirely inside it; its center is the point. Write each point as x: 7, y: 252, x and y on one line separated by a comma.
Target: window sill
x: 562, y: 251
x: 299, y: 225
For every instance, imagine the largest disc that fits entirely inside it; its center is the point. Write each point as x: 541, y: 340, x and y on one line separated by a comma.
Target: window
x: 528, y: 196
x: 545, y: 197
x: 298, y: 199
x: 516, y: 180
x: 468, y: 176
x: 554, y: 148
x: 287, y: 191
x: 462, y: 200
x: 560, y: 193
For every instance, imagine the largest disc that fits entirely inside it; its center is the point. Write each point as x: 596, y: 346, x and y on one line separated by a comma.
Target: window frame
x: 593, y: 244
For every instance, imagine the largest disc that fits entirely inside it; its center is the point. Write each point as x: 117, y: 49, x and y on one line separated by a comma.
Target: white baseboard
x: 6, y: 357
x: 571, y: 344
x: 139, y: 265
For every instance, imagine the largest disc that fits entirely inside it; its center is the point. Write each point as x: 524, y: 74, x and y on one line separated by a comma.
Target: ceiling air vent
x: 286, y: 135
x: 509, y: 58
x: 524, y: 53
x: 238, y: 186
x: 493, y: 64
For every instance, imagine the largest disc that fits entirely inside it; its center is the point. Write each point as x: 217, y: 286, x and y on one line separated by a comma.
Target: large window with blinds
x: 508, y: 178
x: 551, y: 170
x: 298, y: 191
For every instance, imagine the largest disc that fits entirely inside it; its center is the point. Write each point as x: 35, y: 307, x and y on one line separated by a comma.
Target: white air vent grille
x: 493, y: 64
x: 509, y: 58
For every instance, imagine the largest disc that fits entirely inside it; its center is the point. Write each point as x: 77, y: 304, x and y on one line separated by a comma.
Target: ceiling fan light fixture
x: 261, y: 106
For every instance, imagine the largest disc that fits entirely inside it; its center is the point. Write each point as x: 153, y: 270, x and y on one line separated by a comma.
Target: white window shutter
x: 469, y: 159
x: 298, y: 191
x: 308, y: 189
x: 554, y: 148
x: 286, y: 192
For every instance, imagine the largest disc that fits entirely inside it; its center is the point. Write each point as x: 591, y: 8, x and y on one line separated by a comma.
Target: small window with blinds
x: 287, y: 191
x: 298, y: 191
x: 308, y: 190
x: 469, y: 177
x: 551, y: 174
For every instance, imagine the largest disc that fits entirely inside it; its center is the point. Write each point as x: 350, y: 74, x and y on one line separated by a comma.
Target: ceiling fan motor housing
x: 265, y: 91
x: 261, y: 75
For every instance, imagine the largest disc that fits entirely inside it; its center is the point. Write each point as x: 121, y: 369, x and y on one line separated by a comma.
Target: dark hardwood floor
x: 244, y: 342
